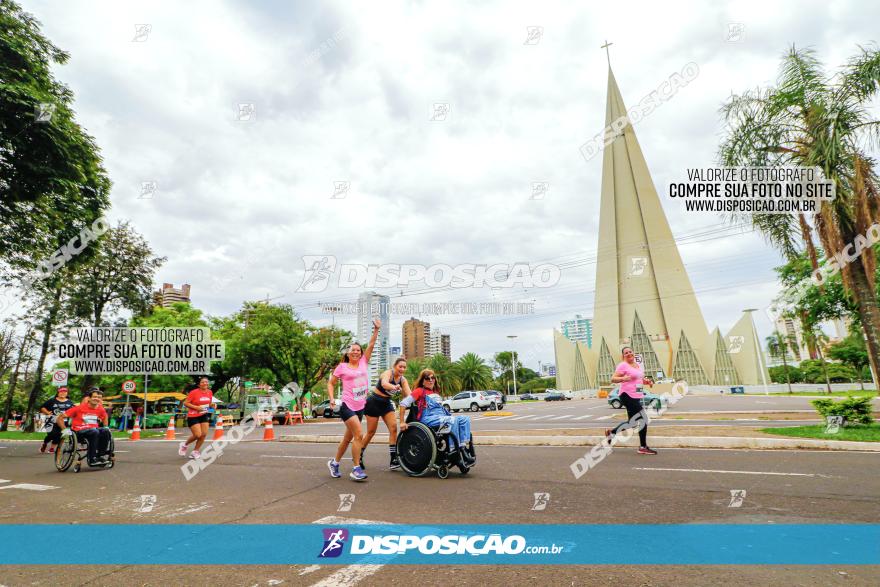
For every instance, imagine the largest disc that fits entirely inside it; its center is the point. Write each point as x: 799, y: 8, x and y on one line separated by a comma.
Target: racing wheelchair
x: 422, y: 449
x: 72, y: 451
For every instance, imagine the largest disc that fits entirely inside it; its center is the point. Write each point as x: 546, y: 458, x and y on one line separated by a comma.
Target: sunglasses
x: 429, y: 378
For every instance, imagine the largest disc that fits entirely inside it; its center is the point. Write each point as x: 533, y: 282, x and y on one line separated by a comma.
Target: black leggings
x: 98, y: 440
x: 633, y: 407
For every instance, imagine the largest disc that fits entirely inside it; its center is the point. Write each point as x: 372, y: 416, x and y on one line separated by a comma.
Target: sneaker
x: 43, y: 447
x: 195, y: 455
x: 182, y: 449
x: 395, y: 464
x: 644, y: 450
x: 357, y: 474
x: 334, y: 469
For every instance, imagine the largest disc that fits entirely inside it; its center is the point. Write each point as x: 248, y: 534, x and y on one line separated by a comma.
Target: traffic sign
x: 59, y: 377
x: 248, y: 383
x: 128, y: 386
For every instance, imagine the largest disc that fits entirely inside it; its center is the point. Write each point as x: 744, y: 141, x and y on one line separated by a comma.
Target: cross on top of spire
x: 607, y: 51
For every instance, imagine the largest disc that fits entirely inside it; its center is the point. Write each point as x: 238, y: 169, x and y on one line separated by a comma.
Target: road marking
x: 584, y: 417
x: 560, y: 417
x: 29, y: 487
x: 605, y: 417
x: 5, y: 480
x: 309, y: 569
x: 732, y: 472
x: 352, y: 574
x: 523, y: 417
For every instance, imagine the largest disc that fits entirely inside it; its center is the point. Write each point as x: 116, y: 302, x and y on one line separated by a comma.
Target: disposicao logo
x: 334, y: 540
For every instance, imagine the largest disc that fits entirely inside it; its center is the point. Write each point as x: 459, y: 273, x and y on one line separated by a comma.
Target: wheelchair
x: 422, y: 449
x: 72, y: 451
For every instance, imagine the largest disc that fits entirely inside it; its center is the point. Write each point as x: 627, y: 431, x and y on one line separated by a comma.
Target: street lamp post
x: 758, y: 349
x: 513, y: 362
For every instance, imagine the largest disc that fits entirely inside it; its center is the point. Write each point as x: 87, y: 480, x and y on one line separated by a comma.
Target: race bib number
x: 360, y: 392
x: 90, y: 419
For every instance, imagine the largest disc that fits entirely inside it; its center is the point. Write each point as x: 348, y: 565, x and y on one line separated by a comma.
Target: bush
x: 853, y: 409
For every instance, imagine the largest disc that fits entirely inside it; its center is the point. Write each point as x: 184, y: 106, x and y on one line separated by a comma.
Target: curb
x: 729, y: 442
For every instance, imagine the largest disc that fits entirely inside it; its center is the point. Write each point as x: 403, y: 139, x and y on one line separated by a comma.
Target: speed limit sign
x: 128, y: 386
x: 59, y: 377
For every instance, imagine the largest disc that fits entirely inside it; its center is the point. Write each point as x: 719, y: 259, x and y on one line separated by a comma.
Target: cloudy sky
x: 347, y: 93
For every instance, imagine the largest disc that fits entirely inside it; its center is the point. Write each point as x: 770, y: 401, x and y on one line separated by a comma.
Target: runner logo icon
x: 334, y: 541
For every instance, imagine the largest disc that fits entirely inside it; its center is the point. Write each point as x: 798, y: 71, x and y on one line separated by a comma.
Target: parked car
x: 318, y: 409
x: 330, y: 413
x: 529, y: 396
x: 556, y: 396
x: 497, y: 399
x: 468, y: 400
x: 649, y: 400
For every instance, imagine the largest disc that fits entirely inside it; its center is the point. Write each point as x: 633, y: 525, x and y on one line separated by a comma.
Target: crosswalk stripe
x: 605, y: 417
x: 584, y: 417
x: 561, y: 417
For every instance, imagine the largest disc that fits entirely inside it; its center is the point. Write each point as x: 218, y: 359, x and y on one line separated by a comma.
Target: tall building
x: 644, y: 298
x: 168, y: 294
x: 438, y: 344
x: 793, y: 335
x: 416, y: 336
x: 578, y: 329
x: 372, y: 305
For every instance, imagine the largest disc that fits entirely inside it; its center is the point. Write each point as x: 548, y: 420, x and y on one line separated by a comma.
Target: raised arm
x: 367, y: 353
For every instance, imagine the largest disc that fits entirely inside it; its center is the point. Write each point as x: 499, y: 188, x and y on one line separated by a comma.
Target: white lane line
x: 584, y: 417
x: 523, y: 417
x: 561, y: 417
x: 5, y: 480
x: 605, y: 417
x: 732, y: 472
x: 299, y: 457
x: 29, y: 487
x: 352, y: 574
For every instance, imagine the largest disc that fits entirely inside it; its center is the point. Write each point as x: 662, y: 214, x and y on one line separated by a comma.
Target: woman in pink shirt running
x: 630, y: 376
x: 355, y: 378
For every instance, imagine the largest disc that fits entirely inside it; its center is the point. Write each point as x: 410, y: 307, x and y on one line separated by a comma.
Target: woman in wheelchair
x: 86, y: 419
x: 425, y: 408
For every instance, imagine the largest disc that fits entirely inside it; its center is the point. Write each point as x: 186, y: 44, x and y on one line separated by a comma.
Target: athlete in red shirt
x: 197, y: 402
x: 87, y: 418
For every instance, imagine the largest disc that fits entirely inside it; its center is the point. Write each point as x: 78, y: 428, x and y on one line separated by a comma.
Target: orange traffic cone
x: 136, y: 433
x: 268, y: 431
x: 169, y: 432
x: 218, y: 428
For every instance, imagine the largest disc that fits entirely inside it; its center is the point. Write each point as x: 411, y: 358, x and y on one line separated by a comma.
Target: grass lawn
x: 16, y: 435
x: 860, y: 432
x: 854, y: 392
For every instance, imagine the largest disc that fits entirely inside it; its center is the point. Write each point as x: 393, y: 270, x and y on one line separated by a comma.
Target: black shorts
x: 198, y: 419
x: 345, y: 413
x: 377, y: 406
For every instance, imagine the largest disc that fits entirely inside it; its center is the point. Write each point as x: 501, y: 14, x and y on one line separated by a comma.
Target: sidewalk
x: 726, y: 437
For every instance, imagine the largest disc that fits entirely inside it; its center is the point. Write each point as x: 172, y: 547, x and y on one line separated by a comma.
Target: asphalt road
x: 255, y: 483
x: 597, y: 413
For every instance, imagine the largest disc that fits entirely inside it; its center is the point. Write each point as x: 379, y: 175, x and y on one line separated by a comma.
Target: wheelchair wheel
x: 65, y: 454
x: 443, y: 471
x: 77, y: 467
x: 464, y: 469
x: 416, y: 449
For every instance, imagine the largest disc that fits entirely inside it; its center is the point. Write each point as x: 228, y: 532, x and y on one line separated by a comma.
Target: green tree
x: 812, y: 119
x: 851, y: 351
x: 51, y: 174
x: 473, y: 372
x: 783, y: 374
x: 447, y: 381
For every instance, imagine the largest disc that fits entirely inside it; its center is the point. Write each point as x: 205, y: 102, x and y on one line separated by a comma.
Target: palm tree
x: 472, y: 372
x: 776, y: 344
x: 811, y: 119
x: 447, y: 382
x: 414, y: 367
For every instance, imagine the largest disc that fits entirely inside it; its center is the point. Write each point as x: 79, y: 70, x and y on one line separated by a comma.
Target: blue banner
x: 550, y: 544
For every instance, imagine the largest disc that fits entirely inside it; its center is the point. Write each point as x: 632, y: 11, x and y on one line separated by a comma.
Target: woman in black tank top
x: 391, y: 385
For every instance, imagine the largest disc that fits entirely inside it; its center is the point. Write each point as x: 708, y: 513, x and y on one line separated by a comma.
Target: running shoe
x: 195, y: 455
x: 43, y: 447
x: 357, y: 474
x: 395, y: 463
x: 644, y: 450
x: 334, y: 469
x: 182, y: 449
